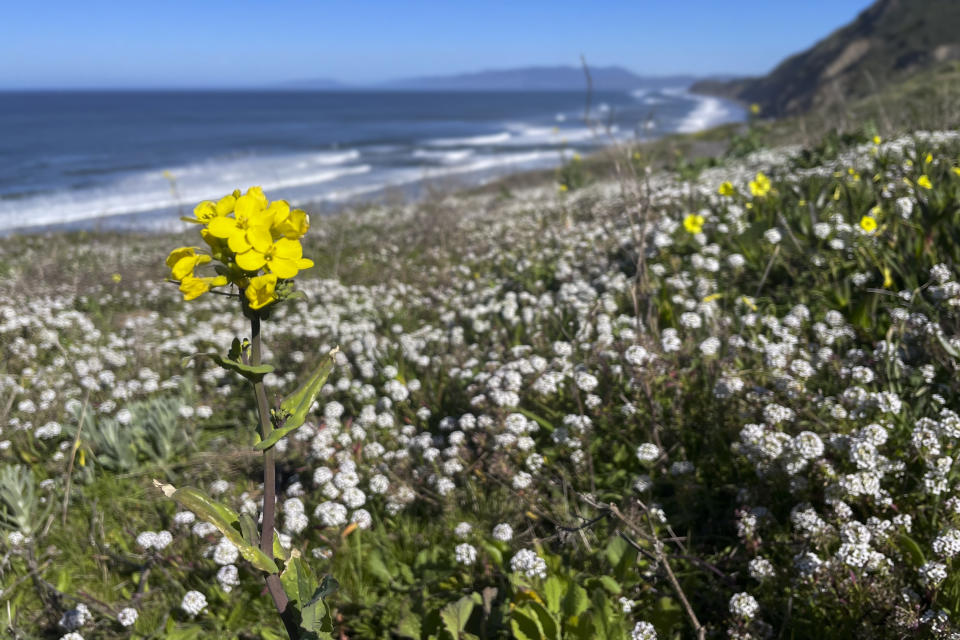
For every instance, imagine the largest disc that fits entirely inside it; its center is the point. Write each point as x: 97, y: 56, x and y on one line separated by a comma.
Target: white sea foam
x: 446, y: 157
x: 471, y: 141
x: 143, y: 191
x: 530, y: 135
x: 708, y: 112
x: 487, y: 164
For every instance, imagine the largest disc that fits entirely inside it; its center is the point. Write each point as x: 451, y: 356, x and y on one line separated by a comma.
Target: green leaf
x: 949, y: 348
x: 611, y: 585
x: 524, y: 625
x: 615, y: 550
x: 409, y: 627
x: 543, y: 422
x: 495, y: 554
x: 251, y: 373
x: 328, y: 586
x: 553, y: 590
x: 301, y: 588
x: 910, y: 548
x: 576, y: 602
x: 456, y: 615
x: 549, y: 624
x: 184, y: 633
x: 278, y: 550
x: 375, y: 565
x: 223, y: 518
x: 248, y: 529
x: 297, y: 405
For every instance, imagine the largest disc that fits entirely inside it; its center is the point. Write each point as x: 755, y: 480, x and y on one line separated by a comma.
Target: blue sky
x: 238, y: 43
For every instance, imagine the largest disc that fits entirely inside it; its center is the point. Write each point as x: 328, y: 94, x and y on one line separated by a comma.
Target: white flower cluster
x: 529, y: 563
x: 193, y: 603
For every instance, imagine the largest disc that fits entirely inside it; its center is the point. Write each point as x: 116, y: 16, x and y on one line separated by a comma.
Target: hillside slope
x: 887, y: 42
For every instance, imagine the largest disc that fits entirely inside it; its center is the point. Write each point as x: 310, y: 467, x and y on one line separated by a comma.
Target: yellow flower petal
x: 178, y: 253
x: 222, y: 227
x: 193, y: 287
x: 251, y: 260
x: 279, y: 210
x: 257, y: 194
x: 261, y: 291
x: 186, y: 265
x: 247, y: 207
x: 238, y: 242
x: 289, y: 249
x: 282, y: 267
x: 260, y: 238
x: 225, y: 205
x: 205, y: 210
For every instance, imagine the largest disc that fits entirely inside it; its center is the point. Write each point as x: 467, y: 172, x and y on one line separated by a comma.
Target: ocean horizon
x: 137, y: 159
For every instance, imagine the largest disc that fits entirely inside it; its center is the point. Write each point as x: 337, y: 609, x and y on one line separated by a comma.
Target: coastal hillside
x: 713, y: 400
x: 889, y: 42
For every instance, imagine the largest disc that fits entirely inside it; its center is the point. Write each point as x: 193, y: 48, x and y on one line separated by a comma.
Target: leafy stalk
x: 274, y: 586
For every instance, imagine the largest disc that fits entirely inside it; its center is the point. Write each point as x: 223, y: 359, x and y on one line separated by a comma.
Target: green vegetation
x: 707, y: 389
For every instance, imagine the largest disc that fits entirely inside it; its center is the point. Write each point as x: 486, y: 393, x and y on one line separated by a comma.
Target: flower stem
x: 274, y: 586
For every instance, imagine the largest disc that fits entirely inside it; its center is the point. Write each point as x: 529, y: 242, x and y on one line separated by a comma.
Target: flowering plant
x: 255, y: 246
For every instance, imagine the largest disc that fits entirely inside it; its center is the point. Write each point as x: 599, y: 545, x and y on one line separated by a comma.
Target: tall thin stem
x: 274, y: 586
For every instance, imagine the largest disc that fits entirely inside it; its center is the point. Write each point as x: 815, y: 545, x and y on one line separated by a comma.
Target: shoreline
x: 445, y: 181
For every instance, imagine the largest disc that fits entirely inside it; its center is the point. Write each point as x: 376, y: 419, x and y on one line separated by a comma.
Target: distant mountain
x: 558, y: 78
x: 317, y: 84
x: 888, y: 42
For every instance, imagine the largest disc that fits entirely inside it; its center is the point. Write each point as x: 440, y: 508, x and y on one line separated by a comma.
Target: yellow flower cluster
x: 760, y: 186
x: 693, y: 223
x: 255, y: 241
x: 726, y: 189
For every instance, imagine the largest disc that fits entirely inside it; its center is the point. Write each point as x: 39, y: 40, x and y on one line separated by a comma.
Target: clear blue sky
x: 234, y: 43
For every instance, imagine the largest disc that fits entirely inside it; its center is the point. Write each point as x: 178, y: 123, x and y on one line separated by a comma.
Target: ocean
x: 122, y: 159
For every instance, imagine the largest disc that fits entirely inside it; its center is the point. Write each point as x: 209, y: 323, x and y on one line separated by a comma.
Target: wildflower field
x: 714, y: 400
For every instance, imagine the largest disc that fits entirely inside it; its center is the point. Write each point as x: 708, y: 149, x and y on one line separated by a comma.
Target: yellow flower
x: 245, y: 234
x: 928, y: 159
x: 877, y: 140
x: 693, y: 223
x: 755, y: 108
x: 183, y: 260
x: 116, y: 277
x: 956, y: 170
x: 924, y: 181
x: 261, y: 291
x: 868, y: 224
x: 289, y: 224
x: 283, y: 257
x: 193, y: 287
x: 760, y: 186
x: 726, y: 189
x: 887, y: 278
x: 207, y: 210
x: 250, y: 219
